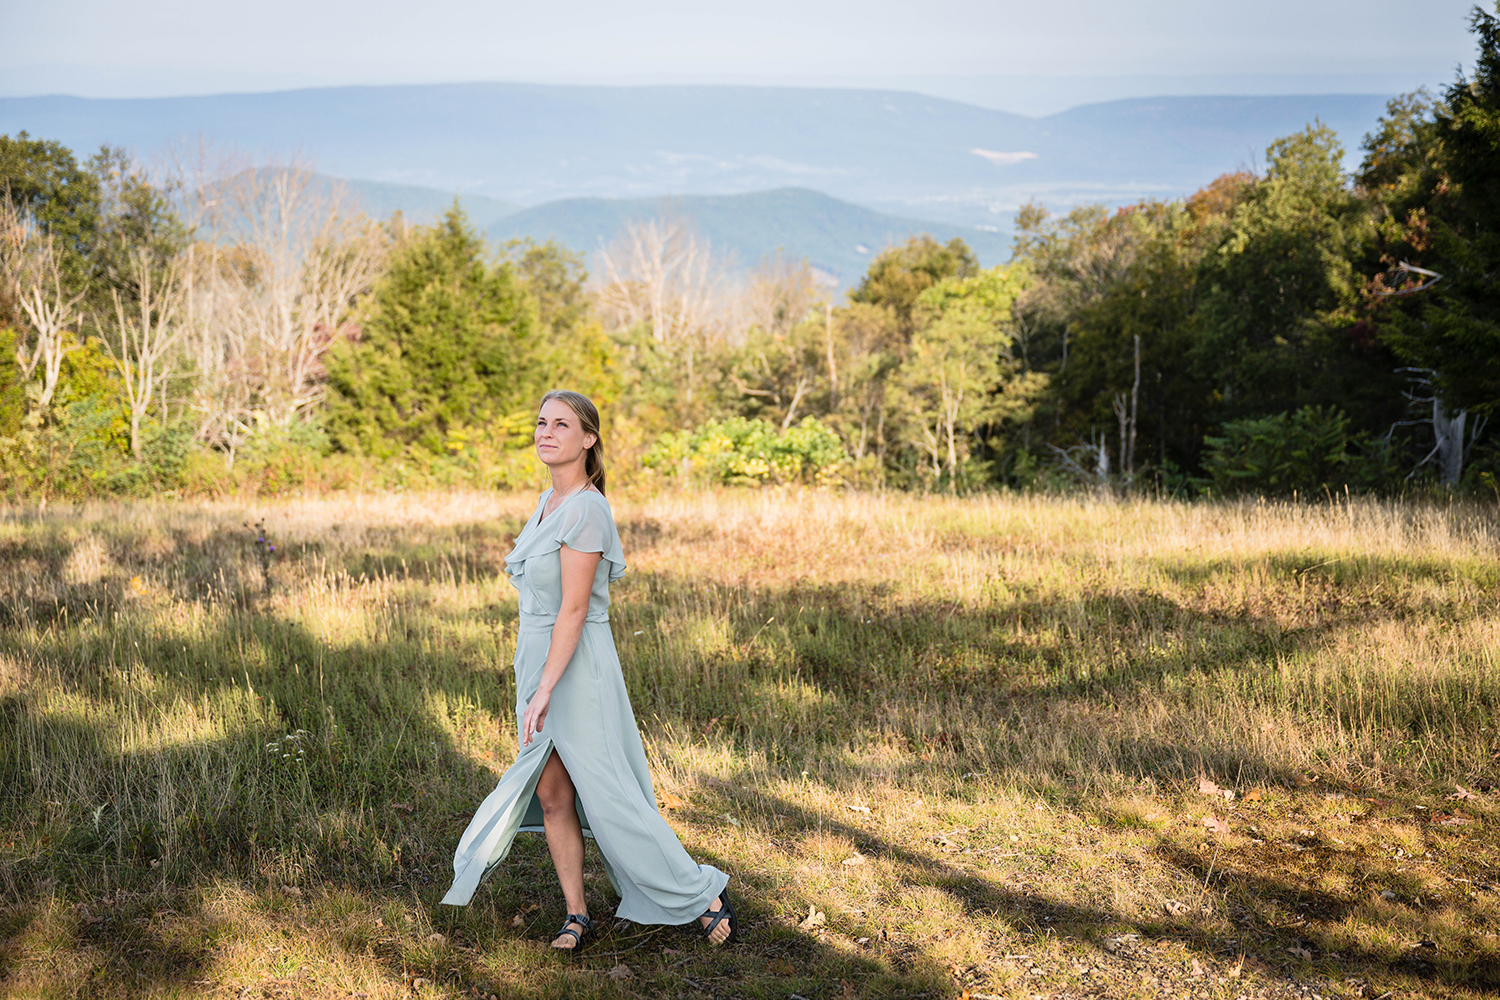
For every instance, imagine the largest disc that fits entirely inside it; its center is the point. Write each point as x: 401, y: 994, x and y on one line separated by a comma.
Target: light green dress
x: 592, y: 728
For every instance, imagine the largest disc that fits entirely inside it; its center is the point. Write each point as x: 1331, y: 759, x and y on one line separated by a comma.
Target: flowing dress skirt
x: 589, y: 725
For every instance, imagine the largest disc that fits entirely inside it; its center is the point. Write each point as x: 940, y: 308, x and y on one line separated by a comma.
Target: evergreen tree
x: 1447, y: 218
x: 448, y: 345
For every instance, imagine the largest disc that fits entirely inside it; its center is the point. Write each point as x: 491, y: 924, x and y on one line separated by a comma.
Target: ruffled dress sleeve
x: 583, y: 523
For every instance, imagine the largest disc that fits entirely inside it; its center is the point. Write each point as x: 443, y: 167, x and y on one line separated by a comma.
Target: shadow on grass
x: 372, y: 800
x: 48, y: 579
x: 1271, y: 914
x: 370, y: 803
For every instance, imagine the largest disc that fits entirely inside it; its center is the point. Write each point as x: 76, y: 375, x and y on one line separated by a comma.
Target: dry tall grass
x: 992, y: 741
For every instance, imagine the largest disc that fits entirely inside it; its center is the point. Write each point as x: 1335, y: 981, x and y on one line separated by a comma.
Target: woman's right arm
x: 577, y: 585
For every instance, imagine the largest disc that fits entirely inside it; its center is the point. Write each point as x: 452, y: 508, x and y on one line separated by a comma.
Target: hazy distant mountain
x: 836, y: 237
x: 425, y: 204
x: 903, y: 153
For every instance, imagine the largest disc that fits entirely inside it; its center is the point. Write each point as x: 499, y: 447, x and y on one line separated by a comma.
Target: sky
x: 1032, y: 57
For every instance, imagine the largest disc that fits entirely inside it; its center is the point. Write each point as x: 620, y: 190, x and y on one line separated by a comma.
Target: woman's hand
x: 536, y: 714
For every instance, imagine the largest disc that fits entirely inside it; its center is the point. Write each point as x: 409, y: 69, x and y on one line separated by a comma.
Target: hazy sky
x: 1036, y: 52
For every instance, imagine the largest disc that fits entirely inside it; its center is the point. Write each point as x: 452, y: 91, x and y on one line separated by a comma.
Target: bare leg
x: 564, y: 838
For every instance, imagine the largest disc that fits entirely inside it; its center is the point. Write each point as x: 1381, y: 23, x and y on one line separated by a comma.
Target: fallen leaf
x: 291, y: 890
x: 854, y: 859
x: 1303, y: 780
x: 1460, y: 793
x: 1454, y: 820
x: 437, y: 939
x: 1197, y: 968
x: 621, y: 971
x: 1215, y: 825
x: 517, y: 921
x: 419, y: 982
x: 1387, y: 895
x: 1253, y: 795
x: 1237, y: 967
x: 1301, y: 951
x: 815, y: 918
x: 403, y: 806
x: 781, y: 967
x: 731, y: 820
x: 670, y: 801
x: 858, y: 809
x: 1207, y: 787
x: 1175, y: 908
x: 673, y: 952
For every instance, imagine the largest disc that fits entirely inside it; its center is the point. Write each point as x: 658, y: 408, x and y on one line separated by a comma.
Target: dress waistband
x: 530, y: 623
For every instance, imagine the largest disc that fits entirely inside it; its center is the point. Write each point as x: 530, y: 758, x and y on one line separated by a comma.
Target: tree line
x: 214, y: 325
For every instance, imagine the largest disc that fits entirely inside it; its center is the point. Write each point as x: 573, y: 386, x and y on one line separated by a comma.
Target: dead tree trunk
x: 1135, y: 403
x: 1448, y: 428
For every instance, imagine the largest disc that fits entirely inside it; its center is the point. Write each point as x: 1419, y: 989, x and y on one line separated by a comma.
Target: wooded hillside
x: 220, y: 326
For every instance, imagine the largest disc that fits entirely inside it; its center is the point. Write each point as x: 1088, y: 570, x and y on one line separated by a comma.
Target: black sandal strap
x: 723, y: 913
x: 716, y: 917
x: 581, y: 921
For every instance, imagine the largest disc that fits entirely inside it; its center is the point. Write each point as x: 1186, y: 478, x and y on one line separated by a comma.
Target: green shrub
x: 745, y: 452
x: 1304, y: 453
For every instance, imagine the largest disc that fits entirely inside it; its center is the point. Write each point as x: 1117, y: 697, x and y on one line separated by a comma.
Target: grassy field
x: 1007, y: 746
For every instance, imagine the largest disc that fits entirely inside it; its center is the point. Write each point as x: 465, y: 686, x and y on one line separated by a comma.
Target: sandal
x: 725, y: 912
x: 579, y: 940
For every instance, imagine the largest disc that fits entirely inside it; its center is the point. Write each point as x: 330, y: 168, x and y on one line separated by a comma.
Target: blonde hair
x: 588, y: 419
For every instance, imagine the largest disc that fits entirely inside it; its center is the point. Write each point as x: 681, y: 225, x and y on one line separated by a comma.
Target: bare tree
x: 307, y: 255
x: 148, y: 330
x: 660, y: 272
x: 781, y: 294
x: 223, y: 361
x: 1453, y: 434
x: 788, y: 349
x: 275, y: 278
x: 33, y: 278
x: 1126, y: 414
x: 865, y: 341
x: 1448, y: 427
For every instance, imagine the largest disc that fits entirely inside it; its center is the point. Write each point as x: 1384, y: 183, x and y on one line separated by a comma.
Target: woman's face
x: 560, y: 439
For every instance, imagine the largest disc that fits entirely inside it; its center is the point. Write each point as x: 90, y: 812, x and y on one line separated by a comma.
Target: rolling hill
x: 836, y: 237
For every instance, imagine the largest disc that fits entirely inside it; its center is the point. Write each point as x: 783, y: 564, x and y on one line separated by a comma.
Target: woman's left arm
x: 577, y: 584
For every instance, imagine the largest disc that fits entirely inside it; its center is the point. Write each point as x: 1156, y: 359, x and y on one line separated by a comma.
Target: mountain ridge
x: 835, y: 237
x: 892, y: 151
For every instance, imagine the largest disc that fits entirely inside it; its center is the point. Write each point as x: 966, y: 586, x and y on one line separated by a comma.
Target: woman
x: 582, y: 769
